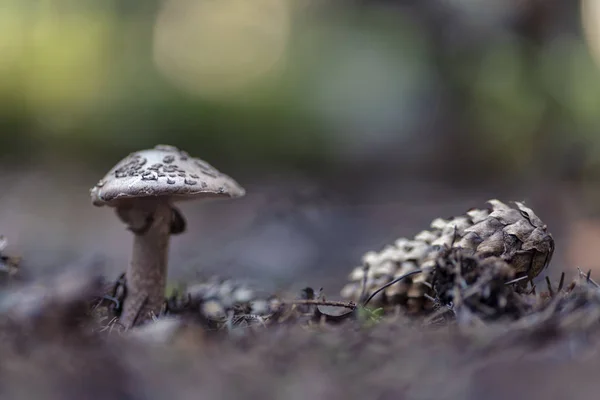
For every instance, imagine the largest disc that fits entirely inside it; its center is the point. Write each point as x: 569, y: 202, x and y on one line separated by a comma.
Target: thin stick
x: 562, y: 281
x: 549, y: 284
x: 588, y: 278
x: 516, y: 280
x: 349, y: 305
x: 532, y: 291
x: 418, y: 271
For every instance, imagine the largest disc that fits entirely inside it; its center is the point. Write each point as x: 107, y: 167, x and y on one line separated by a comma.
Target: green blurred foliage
x: 79, y: 79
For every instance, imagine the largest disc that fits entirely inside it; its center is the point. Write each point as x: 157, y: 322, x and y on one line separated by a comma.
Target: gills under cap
x: 163, y: 171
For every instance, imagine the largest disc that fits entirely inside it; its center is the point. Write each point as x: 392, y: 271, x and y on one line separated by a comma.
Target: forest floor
x: 54, y: 347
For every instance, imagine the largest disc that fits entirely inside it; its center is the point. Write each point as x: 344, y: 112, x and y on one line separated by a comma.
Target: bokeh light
x: 219, y: 48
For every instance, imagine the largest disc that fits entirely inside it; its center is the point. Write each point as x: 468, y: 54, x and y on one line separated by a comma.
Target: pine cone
x: 462, y: 279
x: 513, y: 234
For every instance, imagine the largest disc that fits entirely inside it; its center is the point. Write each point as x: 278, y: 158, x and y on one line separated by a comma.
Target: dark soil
x: 53, y: 347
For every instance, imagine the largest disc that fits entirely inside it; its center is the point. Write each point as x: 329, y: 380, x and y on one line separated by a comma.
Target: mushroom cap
x: 164, y: 171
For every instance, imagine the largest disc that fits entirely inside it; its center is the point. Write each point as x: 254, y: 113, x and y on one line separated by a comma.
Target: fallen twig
x: 349, y: 305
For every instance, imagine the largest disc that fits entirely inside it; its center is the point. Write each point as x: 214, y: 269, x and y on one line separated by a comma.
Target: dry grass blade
x: 516, y: 280
x: 392, y: 283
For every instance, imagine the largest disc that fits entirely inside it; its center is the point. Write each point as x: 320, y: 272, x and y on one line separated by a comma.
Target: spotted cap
x: 163, y: 171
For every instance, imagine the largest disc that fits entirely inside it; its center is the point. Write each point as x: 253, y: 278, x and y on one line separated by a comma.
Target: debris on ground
x: 461, y: 322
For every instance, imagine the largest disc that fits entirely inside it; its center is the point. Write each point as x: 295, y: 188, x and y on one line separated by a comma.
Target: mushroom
x: 142, y: 188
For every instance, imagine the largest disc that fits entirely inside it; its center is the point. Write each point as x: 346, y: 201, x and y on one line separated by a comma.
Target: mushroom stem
x: 147, y: 273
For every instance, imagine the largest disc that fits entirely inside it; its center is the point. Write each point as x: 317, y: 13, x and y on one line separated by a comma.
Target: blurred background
x: 349, y: 122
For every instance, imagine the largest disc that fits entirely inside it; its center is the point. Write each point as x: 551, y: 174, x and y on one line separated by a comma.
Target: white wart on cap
x: 163, y: 171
